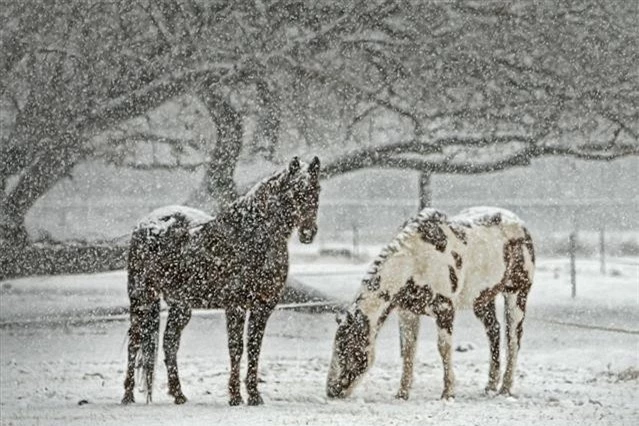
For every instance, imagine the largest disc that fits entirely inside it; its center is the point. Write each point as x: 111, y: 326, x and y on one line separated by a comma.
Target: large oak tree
x: 447, y: 87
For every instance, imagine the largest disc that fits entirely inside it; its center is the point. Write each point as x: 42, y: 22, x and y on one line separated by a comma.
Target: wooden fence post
x: 355, y: 241
x: 425, y: 192
x: 602, y: 250
x: 572, y: 249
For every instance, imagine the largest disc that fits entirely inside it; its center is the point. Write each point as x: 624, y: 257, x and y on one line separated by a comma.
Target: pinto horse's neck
x: 385, y: 280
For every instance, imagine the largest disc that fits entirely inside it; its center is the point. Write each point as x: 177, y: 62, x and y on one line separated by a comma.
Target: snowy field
x: 62, y: 346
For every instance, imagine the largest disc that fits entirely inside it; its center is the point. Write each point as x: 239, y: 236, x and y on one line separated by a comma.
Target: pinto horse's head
x: 352, y: 354
x: 305, y: 190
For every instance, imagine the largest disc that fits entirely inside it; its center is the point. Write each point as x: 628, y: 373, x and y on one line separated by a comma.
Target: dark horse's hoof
x: 180, y: 399
x: 235, y: 401
x: 128, y: 399
x: 255, y: 400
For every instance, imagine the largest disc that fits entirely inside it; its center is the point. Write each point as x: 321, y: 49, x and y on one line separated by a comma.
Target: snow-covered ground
x: 62, y: 347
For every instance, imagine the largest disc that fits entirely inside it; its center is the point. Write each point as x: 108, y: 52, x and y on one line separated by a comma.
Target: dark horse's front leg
x: 257, y: 324
x: 235, y: 318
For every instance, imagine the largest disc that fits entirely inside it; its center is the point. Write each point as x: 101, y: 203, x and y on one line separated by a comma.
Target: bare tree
x: 480, y: 88
x: 439, y: 87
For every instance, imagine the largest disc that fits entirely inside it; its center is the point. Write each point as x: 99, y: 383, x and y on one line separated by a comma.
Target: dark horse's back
x: 155, y: 249
x: 180, y: 253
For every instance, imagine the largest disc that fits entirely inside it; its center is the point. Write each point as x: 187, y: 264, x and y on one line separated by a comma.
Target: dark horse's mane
x: 262, y: 208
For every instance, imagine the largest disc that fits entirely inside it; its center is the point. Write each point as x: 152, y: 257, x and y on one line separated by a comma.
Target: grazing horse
x: 435, y: 266
x: 237, y: 261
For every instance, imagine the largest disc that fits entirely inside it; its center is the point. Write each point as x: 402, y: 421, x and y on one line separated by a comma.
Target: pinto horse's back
x: 493, y: 239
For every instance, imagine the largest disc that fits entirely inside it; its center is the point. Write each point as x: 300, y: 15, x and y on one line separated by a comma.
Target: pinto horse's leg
x: 444, y: 313
x: 235, y: 318
x: 486, y: 312
x: 514, y: 311
x: 256, y: 326
x: 179, y: 316
x: 408, y: 332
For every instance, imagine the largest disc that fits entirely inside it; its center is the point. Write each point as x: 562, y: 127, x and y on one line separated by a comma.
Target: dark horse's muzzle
x: 307, y: 234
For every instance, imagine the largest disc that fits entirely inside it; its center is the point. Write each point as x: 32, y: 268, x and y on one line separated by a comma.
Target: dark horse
x: 237, y: 261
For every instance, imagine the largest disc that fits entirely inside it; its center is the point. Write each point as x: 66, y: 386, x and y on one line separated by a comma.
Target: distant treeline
x: 55, y: 259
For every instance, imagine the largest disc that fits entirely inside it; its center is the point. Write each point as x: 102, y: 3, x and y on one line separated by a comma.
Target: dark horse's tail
x: 144, y: 330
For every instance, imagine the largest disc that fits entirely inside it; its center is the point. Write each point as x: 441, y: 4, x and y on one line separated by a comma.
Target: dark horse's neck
x: 262, y: 214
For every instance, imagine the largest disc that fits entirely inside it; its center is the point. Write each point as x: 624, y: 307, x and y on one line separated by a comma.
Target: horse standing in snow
x: 237, y: 261
x: 434, y: 267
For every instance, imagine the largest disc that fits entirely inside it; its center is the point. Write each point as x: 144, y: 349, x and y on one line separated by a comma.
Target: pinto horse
x: 435, y: 266
x: 237, y: 261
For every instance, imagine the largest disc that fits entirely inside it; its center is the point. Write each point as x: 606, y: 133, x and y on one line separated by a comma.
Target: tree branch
x: 414, y: 155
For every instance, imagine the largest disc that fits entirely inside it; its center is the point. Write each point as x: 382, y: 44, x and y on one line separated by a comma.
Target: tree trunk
x: 268, y: 123
x: 36, y: 180
x: 218, y: 188
x: 425, y: 193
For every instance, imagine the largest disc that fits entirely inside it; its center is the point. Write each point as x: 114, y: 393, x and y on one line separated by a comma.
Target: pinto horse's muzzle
x: 335, y: 392
x: 307, y: 235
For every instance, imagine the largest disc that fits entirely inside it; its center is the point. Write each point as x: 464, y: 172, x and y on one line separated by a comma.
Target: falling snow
x: 156, y: 118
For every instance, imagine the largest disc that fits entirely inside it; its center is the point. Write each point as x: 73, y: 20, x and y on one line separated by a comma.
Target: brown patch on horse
x: 385, y: 296
x: 431, y: 232
x: 372, y: 283
x: 528, y: 242
x: 484, y: 308
x: 459, y: 233
x: 382, y: 318
x: 352, y: 339
x: 516, y: 277
x: 452, y: 276
x: 492, y: 220
x: 485, y: 297
x: 414, y: 298
x: 444, y: 312
x: 457, y: 258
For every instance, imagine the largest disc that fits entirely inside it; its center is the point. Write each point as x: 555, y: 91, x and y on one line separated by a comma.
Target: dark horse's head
x: 290, y: 198
x: 303, y: 191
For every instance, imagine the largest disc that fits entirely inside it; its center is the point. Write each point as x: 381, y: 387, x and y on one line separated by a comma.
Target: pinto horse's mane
x: 409, y: 228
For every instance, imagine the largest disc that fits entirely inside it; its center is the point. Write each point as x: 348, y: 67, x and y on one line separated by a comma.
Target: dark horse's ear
x: 314, y: 166
x: 294, y: 165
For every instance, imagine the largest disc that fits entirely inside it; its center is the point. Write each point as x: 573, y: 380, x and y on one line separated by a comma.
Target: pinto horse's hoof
x: 448, y: 397
x: 403, y: 395
x: 490, y: 390
x: 128, y: 398
x: 235, y: 401
x: 255, y: 400
x: 505, y: 392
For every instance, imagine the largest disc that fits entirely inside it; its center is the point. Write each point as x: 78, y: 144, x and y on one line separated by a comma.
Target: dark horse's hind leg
x: 235, y: 318
x: 179, y: 316
x: 256, y: 326
x: 135, y: 340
